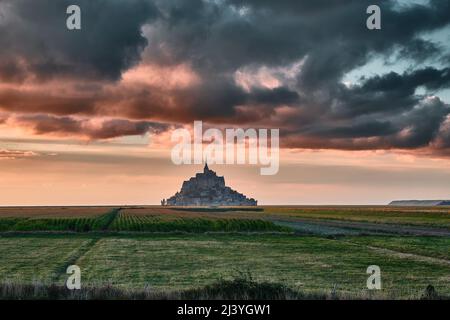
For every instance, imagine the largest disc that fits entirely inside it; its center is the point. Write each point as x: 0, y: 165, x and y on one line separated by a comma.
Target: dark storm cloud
x: 11, y: 71
x: 422, y: 124
x: 219, y: 39
x: 389, y: 93
x: 106, y: 129
x: 420, y: 50
x: 226, y: 35
x: 275, y: 96
x: 13, y: 100
x: 412, y: 129
x: 358, y: 130
x: 38, y: 43
x: 429, y: 77
x: 347, y: 45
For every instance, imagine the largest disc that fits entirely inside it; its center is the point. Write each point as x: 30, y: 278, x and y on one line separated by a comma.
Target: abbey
x: 208, y: 189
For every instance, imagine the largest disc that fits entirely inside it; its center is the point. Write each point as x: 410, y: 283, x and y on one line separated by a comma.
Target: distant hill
x: 420, y: 203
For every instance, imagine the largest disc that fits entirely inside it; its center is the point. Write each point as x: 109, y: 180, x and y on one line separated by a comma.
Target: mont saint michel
x: 208, y: 189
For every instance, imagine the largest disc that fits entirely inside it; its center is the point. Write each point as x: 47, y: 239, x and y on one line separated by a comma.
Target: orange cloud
x: 15, y: 154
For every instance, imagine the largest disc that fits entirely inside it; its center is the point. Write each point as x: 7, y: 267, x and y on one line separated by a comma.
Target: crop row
x: 196, y: 225
x: 82, y: 224
x: 125, y: 222
x: 24, y: 224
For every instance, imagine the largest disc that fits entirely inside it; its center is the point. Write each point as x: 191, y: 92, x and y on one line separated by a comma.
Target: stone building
x: 208, y: 189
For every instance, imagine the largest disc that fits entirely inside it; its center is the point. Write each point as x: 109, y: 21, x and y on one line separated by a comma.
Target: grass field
x: 178, y: 251
x: 435, y: 216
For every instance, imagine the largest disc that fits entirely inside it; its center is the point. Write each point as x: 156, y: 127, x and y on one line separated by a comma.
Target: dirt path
x: 74, y: 257
x: 372, y: 227
x: 111, y: 217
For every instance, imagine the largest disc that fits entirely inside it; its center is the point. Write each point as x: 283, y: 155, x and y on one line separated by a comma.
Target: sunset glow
x: 86, y: 117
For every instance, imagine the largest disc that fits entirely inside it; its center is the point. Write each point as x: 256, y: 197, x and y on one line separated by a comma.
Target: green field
x: 172, y: 250
x: 433, y: 216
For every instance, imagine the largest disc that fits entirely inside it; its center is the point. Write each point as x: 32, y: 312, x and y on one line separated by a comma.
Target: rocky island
x: 208, y: 189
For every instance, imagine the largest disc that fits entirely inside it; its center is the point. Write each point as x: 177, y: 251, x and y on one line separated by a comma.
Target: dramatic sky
x: 86, y: 116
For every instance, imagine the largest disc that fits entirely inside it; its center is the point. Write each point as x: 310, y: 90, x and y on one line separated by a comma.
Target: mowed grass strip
x: 304, y: 263
x: 435, y: 247
x: 27, y: 259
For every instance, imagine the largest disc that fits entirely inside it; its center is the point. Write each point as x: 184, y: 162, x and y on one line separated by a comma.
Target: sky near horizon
x: 86, y: 116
